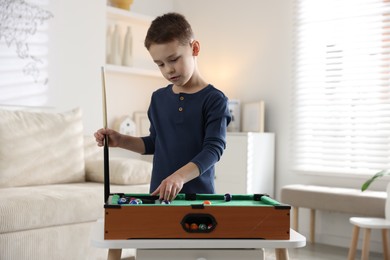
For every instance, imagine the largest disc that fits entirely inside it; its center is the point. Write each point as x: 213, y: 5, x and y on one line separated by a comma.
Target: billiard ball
x: 228, y: 197
x: 202, y: 227
x: 207, y: 202
x: 139, y: 201
x: 122, y: 200
x: 194, y: 226
x: 209, y: 226
x: 165, y: 202
x: 135, y: 202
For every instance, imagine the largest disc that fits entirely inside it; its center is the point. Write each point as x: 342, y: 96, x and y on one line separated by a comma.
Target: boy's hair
x: 167, y: 28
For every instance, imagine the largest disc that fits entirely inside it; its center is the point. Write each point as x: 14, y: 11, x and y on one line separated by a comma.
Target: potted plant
x: 373, y: 178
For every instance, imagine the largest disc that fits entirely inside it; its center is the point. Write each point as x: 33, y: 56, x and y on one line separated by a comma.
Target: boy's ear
x: 195, y: 48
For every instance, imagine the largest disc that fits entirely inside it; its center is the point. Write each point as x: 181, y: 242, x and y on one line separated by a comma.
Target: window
x: 341, y: 99
x: 23, y: 52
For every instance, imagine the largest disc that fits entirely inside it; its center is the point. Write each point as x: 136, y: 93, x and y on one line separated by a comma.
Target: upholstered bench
x: 343, y: 200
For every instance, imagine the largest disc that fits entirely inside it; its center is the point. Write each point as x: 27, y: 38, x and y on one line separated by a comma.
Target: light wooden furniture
x: 244, y: 246
x: 247, y: 164
x: 343, y: 200
x: 368, y: 224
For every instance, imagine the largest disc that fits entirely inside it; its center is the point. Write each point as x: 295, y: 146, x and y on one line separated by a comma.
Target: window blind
x: 23, y: 52
x: 341, y: 97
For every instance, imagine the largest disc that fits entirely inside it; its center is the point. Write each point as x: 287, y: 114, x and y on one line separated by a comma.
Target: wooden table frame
x: 115, y: 246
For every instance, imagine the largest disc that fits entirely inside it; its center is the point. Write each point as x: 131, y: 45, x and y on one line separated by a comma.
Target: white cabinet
x: 247, y: 164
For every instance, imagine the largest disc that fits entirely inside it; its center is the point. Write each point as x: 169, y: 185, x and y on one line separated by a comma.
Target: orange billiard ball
x: 194, y: 226
x: 207, y: 202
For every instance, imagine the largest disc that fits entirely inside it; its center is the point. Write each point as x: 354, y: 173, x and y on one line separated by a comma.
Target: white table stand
x: 174, y: 248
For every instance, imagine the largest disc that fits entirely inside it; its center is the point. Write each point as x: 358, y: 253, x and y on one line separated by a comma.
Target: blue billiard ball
x: 228, y: 197
x: 133, y: 202
x: 122, y: 201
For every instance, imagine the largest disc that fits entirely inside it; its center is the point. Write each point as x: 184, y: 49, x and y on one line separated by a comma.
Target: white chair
x: 367, y: 224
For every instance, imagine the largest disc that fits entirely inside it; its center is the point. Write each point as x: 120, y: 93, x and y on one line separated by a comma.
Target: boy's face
x: 175, y: 61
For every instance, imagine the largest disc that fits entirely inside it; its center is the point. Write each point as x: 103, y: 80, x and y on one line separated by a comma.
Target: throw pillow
x: 41, y: 148
x: 122, y: 171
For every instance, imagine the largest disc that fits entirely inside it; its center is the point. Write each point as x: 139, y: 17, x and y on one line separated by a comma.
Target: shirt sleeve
x: 149, y: 141
x: 217, y: 118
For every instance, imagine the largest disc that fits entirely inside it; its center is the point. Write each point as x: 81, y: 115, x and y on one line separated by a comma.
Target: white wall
x: 76, y: 53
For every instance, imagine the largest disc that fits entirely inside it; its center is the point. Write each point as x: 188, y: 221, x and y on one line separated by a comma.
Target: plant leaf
x: 377, y: 175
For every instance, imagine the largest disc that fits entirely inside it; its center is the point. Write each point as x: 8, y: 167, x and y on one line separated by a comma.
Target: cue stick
x: 106, y: 156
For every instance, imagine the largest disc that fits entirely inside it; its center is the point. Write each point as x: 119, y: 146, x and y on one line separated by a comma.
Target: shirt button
x: 181, y: 98
x: 180, y: 109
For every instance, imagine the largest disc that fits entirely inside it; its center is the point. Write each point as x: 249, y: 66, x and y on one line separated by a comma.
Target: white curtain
x: 341, y: 91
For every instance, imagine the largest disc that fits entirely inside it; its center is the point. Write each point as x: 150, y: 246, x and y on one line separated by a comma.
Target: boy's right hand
x: 113, y: 137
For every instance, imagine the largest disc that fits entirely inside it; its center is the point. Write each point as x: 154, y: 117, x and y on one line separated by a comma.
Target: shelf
x: 127, y: 16
x: 133, y: 71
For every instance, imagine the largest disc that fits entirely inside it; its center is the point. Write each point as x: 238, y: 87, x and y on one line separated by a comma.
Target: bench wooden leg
x: 386, y: 255
x: 366, y: 244
x: 312, y: 225
x: 352, y: 248
x: 114, y: 254
x: 295, y: 218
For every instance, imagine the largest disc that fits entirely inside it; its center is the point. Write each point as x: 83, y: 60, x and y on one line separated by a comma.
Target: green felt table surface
x: 215, y: 199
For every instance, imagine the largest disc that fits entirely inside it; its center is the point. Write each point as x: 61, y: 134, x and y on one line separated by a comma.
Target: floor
x: 320, y: 252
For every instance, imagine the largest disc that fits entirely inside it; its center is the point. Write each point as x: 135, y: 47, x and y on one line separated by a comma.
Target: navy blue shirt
x: 187, y: 128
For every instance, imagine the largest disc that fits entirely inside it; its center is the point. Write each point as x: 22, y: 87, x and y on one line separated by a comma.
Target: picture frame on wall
x: 235, y: 113
x: 142, y: 123
x: 253, y: 114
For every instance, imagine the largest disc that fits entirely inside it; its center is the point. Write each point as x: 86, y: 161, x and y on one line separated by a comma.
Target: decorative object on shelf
x: 122, y: 4
x: 142, y: 123
x: 127, y: 57
x: 253, y: 117
x: 108, y: 43
x: 115, y: 52
x: 234, y: 108
x: 125, y: 125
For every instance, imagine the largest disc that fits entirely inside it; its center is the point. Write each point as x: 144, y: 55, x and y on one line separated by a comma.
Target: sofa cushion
x: 41, y: 148
x: 25, y: 208
x: 123, y: 171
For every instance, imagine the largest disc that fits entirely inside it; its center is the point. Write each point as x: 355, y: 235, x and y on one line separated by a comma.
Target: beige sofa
x: 51, y: 189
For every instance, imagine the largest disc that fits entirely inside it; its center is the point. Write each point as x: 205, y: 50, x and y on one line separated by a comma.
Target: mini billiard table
x: 135, y: 216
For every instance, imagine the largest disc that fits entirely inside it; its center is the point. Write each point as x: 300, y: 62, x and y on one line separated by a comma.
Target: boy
x: 188, y: 117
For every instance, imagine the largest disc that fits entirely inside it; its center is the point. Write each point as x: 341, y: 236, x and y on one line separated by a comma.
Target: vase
x: 122, y: 4
x: 115, y: 52
x: 108, y: 43
x: 127, y: 57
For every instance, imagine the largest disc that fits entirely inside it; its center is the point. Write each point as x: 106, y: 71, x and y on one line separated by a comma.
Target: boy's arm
x: 135, y: 144
x: 171, y: 186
